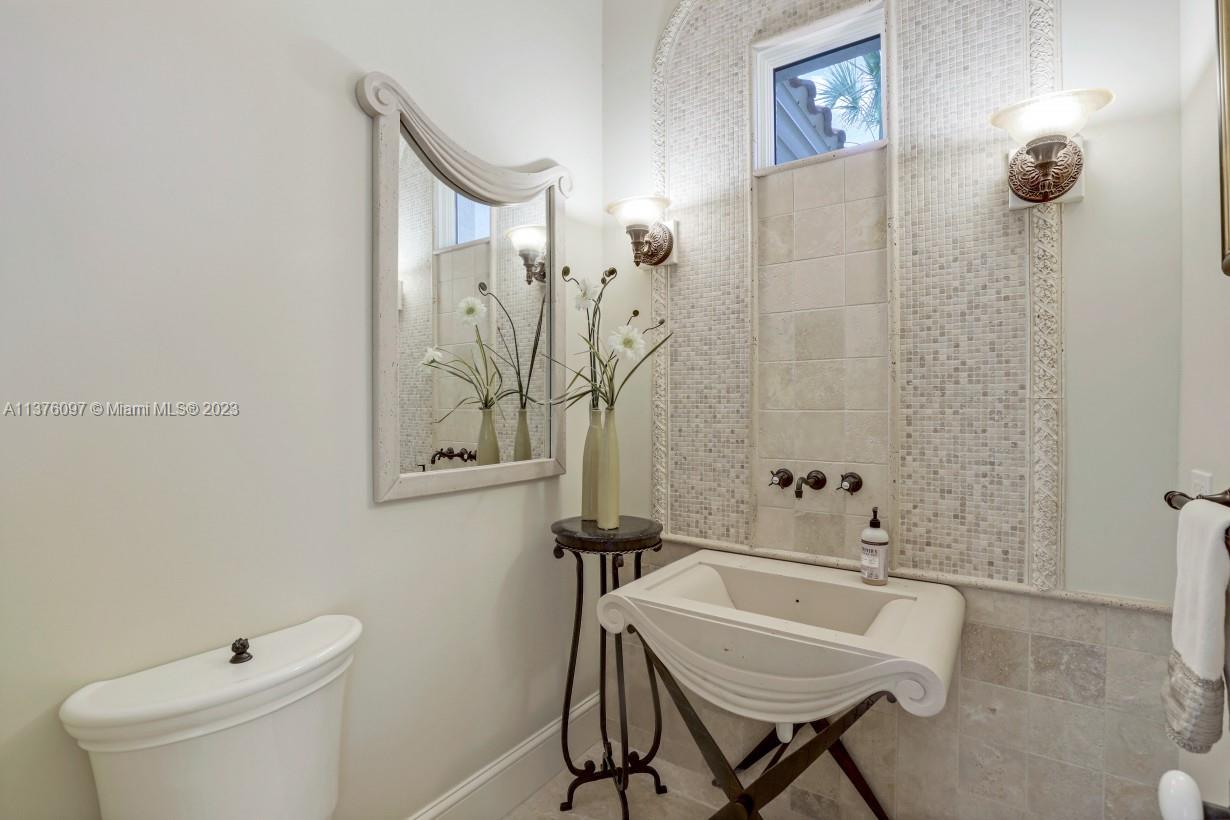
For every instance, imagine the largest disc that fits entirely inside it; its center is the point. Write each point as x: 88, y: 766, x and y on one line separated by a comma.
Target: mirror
x: 470, y: 275
x: 467, y: 323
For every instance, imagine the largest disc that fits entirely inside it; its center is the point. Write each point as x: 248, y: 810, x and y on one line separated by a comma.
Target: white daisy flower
x: 627, y: 342
x: 433, y: 355
x: 471, y: 310
x: 587, y: 292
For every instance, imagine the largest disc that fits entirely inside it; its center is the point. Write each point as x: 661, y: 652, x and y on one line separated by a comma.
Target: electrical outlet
x: 1201, y: 482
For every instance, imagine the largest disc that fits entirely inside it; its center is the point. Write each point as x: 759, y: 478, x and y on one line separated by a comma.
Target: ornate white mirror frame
x: 395, y: 115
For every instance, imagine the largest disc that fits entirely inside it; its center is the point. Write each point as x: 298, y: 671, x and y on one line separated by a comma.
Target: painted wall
x: 1122, y: 282
x: 186, y: 216
x: 1205, y: 387
x: 1204, y: 442
x: 630, y: 30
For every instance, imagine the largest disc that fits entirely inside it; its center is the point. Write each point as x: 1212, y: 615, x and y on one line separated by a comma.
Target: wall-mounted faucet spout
x: 815, y: 479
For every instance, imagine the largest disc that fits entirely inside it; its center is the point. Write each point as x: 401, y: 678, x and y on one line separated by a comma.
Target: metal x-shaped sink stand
x: 746, y: 801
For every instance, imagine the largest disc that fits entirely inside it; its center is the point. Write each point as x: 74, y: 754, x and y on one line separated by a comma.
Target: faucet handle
x: 851, y: 483
x: 781, y: 478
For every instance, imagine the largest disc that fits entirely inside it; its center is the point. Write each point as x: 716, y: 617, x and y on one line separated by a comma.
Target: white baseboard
x: 506, y: 782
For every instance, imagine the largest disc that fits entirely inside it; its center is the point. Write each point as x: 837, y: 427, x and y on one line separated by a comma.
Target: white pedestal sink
x: 789, y: 643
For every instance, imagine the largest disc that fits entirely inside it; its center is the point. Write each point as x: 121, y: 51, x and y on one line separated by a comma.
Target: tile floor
x: 690, y: 796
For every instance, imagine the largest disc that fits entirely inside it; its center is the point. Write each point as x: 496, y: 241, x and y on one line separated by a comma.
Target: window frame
x: 833, y: 32
x: 445, y: 235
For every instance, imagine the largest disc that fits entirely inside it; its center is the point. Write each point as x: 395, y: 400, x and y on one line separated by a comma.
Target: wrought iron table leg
x: 622, y: 775
x: 572, y: 668
x: 607, y: 757
x: 657, y: 706
x: 630, y: 762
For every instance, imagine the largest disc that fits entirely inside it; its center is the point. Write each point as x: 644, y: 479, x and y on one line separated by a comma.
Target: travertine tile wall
x: 822, y: 350
x: 1055, y: 714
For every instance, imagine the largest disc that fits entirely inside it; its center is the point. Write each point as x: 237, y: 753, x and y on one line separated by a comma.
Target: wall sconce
x: 641, y: 216
x: 530, y: 243
x: 1048, y: 163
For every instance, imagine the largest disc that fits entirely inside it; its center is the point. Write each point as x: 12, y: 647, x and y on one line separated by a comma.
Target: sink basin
x: 785, y: 642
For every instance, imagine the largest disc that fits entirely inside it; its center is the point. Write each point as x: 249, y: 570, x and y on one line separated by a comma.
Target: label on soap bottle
x: 872, y: 564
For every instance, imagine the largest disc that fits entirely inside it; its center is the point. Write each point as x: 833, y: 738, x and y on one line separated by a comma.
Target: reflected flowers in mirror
x: 481, y: 370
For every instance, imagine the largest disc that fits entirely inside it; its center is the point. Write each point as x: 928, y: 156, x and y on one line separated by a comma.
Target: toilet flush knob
x: 240, y: 649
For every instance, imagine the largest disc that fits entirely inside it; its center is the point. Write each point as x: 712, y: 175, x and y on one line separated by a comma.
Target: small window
x: 459, y: 219
x: 820, y: 89
x: 828, y: 101
x: 473, y: 220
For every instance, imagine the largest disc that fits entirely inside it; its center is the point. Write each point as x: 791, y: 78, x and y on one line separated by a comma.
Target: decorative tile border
x: 659, y: 297
x: 1046, y: 334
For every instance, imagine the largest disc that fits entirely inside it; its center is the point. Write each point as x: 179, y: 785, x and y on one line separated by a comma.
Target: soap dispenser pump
x: 873, y: 565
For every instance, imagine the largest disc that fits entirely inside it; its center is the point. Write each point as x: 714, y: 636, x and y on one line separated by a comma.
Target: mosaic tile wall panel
x: 962, y: 291
x: 962, y: 279
x: 708, y: 179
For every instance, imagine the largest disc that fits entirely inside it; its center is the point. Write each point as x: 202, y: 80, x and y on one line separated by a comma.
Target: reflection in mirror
x: 473, y: 324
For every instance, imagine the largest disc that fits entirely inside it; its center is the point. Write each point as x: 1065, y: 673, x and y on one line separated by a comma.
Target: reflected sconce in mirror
x: 653, y: 240
x: 530, y: 243
x: 1048, y: 163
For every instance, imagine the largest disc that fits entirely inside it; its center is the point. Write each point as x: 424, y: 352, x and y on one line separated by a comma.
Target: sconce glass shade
x: 638, y: 211
x: 1062, y: 113
x: 531, y: 238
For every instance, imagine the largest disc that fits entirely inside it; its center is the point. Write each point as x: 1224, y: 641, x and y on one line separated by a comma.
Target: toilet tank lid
x: 209, y: 679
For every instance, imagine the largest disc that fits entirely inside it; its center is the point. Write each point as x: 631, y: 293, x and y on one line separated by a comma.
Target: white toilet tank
x: 207, y: 739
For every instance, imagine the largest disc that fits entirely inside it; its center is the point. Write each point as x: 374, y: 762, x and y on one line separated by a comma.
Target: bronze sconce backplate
x: 651, y: 245
x: 1045, y: 169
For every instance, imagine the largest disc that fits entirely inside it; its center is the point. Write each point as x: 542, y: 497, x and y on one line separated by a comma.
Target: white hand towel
x: 1194, y: 694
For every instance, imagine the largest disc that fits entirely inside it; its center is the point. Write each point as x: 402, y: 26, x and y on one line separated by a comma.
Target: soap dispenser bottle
x: 874, y: 564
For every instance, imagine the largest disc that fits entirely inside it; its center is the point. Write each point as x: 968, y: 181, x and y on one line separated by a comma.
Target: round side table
x: 635, y: 536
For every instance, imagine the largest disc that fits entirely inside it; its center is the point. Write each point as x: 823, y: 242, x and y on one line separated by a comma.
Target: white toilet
x: 205, y: 738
